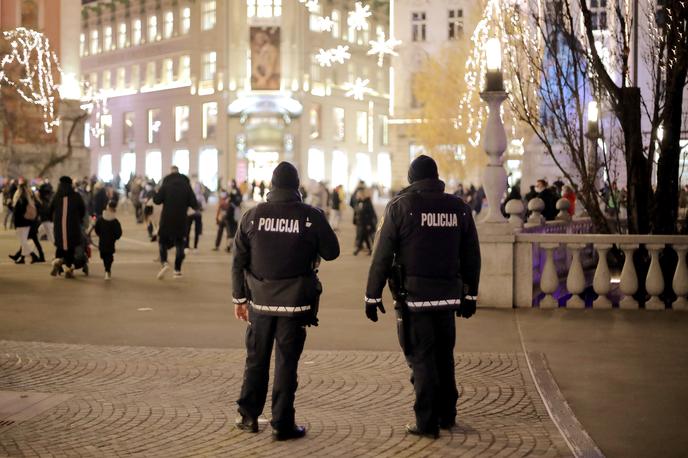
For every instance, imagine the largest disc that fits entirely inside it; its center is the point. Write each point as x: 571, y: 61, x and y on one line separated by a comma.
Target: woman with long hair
x: 25, y: 216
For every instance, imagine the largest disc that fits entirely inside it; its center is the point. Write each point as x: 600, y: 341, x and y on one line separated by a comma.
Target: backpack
x: 31, y: 212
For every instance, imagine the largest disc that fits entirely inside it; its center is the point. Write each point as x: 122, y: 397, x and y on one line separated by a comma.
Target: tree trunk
x: 637, y: 177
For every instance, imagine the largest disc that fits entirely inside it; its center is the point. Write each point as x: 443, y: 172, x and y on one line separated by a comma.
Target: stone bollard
x: 563, y: 207
x: 515, y: 208
x: 536, y: 205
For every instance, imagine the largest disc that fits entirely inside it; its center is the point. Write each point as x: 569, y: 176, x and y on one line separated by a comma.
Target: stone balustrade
x: 557, y: 263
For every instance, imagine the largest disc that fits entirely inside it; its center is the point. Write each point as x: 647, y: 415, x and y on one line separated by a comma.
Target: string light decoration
x: 312, y: 5
x: 383, y: 47
x: 358, y: 89
x: 324, y: 24
x: 358, y: 18
x: 30, y: 56
x: 340, y: 54
x: 324, y: 57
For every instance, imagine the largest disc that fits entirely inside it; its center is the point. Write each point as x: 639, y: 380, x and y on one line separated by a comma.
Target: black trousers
x: 165, y: 244
x: 290, y: 335
x: 362, y: 236
x: 432, y: 336
x: 108, y: 259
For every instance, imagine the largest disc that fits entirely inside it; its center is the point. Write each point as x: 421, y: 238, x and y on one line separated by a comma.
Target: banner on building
x: 265, y: 58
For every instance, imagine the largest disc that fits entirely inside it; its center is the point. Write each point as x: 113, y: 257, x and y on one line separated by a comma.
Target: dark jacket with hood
x: 21, y: 206
x: 433, y: 236
x: 109, y: 230
x: 176, y: 196
x: 68, y: 210
x: 275, y: 252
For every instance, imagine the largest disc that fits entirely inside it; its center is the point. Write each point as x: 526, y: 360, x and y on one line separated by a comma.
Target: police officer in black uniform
x: 275, y: 289
x: 427, y: 246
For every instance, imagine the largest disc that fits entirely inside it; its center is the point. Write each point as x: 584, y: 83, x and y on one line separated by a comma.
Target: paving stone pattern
x: 173, y: 402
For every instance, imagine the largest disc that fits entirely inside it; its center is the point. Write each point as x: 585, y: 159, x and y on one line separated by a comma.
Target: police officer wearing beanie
x: 427, y: 246
x: 275, y: 288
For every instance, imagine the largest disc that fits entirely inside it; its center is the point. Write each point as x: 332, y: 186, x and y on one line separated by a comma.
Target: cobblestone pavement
x: 180, y: 402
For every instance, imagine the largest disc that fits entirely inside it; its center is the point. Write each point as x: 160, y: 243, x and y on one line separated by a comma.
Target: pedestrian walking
x: 427, y: 246
x: 365, y: 220
x: 228, y: 214
x: 176, y: 197
x: 68, y: 210
x: 195, y: 218
x: 336, y: 206
x: 25, y: 214
x: 276, y: 290
x: 109, y: 230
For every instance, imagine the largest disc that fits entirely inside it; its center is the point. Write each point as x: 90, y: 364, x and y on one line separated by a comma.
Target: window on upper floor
x: 151, y: 77
x: 121, y: 78
x: 336, y: 17
x: 107, y: 80
x: 264, y: 8
x: 208, y: 14
x: 168, y: 28
x: 455, y: 17
x: 361, y: 127
x: 339, y: 115
x: 135, y: 76
x: 94, y: 42
x: 136, y: 32
x: 167, y: 70
x: 314, y: 17
x: 185, y: 68
x: 154, y: 125
x: 128, y: 128
x: 186, y: 20
x: 152, y: 28
x: 383, y: 122
x: 106, y: 127
x: 82, y: 44
x: 107, y: 38
x: 418, y: 25
x: 598, y: 14
x: 208, y: 66
x: 122, y: 35
x: 181, y: 122
x: 209, y: 119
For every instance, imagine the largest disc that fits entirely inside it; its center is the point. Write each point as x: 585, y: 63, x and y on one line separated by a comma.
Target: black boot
x: 20, y: 260
x: 14, y: 257
x: 296, y: 432
x: 35, y: 259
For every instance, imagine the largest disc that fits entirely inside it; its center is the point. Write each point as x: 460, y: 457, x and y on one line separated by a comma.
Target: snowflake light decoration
x: 312, y: 5
x: 30, y: 51
x: 340, y: 54
x: 382, y: 47
x: 358, y: 18
x: 358, y: 89
x: 324, y: 24
x: 324, y: 57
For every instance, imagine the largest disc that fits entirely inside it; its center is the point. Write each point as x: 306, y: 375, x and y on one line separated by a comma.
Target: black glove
x: 467, y: 308
x: 371, y: 310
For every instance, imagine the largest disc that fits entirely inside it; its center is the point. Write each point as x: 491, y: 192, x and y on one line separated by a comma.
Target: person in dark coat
x: 25, y: 214
x: 548, y: 196
x: 68, y: 210
x: 365, y: 219
x: 109, y: 230
x: 176, y: 196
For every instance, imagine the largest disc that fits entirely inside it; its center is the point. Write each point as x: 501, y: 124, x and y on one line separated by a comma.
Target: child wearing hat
x: 109, y: 230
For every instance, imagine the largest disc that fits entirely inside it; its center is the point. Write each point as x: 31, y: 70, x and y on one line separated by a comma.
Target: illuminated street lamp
x: 593, y: 120
x: 494, y: 178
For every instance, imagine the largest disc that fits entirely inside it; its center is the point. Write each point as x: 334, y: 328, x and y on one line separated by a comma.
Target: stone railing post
x: 563, y: 206
x: 549, y: 281
x: 515, y: 208
x: 601, y: 282
x: 575, y: 281
x: 535, y: 205
x: 629, y: 277
x: 680, y: 282
x: 654, y: 284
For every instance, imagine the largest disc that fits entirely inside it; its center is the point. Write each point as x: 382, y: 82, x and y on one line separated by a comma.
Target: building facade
x: 227, y: 89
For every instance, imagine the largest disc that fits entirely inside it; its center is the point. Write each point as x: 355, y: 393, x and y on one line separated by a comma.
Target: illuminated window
x: 122, y: 35
x: 209, y: 119
x: 208, y: 14
x: 418, y: 25
x: 186, y: 20
x: 384, y: 129
x: 93, y: 82
x: 314, y: 17
x: 314, y: 121
x: 136, y: 32
x: 121, y: 78
x: 107, y: 79
x: 185, y: 68
x: 87, y: 134
x: 94, y: 42
x: 208, y: 168
x: 128, y: 127
x: 340, y: 168
x: 351, y: 35
x: 598, y: 10
x: 150, y: 74
x: 339, y: 127
x: 135, y: 78
x: 82, y: 44
x: 107, y: 39
x: 154, y: 165
x: 263, y: 8
x: 106, y: 127
x: 168, y: 28
x: 128, y: 167
x: 154, y: 125
x: 384, y: 170
x: 316, y: 164
x: 180, y: 158
x: 105, y: 167
x: 455, y: 23
x: 361, y: 127
x: 336, y: 27
x: 181, y: 122
x: 167, y: 70
x: 363, y: 36
x: 152, y: 28
x: 208, y: 66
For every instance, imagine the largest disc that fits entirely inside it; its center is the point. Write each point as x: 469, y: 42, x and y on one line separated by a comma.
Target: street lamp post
x: 494, y: 178
x: 593, y: 132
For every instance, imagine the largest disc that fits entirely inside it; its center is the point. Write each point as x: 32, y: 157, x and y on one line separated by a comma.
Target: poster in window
x: 265, y: 58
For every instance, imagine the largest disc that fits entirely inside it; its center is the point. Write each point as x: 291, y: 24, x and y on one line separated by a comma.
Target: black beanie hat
x: 66, y: 180
x: 422, y: 168
x: 285, y: 176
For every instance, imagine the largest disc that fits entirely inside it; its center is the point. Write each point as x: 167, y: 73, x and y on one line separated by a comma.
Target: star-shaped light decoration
x: 324, y: 57
x: 312, y: 5
x: 358, y: 89
x: 358, y: 17
x: 324, y: 24
x: 340, y: 54
x: 382, y: 47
